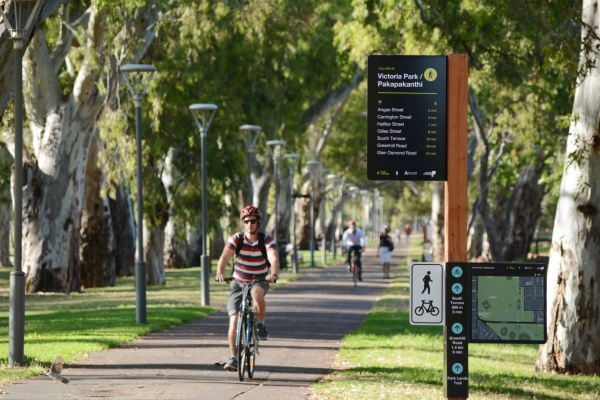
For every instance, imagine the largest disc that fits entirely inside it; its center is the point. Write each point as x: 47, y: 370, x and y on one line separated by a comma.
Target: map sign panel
x: 508, y: 303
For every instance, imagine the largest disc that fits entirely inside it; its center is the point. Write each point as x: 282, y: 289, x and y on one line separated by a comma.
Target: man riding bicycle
x: 355, y: 241
x: 252, y: 263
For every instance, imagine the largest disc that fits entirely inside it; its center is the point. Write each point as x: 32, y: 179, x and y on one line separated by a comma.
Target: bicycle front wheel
x: 241, y: 345
x: 252, y: 349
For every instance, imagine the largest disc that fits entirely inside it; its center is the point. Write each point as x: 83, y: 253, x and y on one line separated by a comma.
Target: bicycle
x: 354, y: 269
x: 427, y: 306
x: 246, y: 335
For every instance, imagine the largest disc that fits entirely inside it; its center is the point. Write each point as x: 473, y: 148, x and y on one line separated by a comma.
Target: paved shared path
x: 306, y: 319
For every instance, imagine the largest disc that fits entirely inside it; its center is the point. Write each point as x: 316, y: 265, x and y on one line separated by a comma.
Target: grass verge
x: 387, y: 358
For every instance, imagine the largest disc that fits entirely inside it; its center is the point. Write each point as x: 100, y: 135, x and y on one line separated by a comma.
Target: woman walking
x: 386, y: 245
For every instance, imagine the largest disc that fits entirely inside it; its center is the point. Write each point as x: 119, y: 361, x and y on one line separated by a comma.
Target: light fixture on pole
x: 312, y: 167
x: 203, y: 115
x: 275, y: 147
x: 335, y: 180
x: 322, y: 211
x: 292, y: 163
x: 250, y: 135
x: 138, y: 77
x: 16, y: 313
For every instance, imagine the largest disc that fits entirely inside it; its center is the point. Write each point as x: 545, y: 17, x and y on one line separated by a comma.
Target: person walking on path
x: 355, y: 241
x: 386, y: 245
x: 427, y: 279
x: 255, y: 252
x: 407, y: 232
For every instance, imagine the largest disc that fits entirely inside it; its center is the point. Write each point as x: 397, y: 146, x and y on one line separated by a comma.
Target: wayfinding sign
x: 427, y: 293
x: 406, y: 134
x: 456, y: 345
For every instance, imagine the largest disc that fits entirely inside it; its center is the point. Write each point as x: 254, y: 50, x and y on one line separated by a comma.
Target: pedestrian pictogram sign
x: 427, y: 285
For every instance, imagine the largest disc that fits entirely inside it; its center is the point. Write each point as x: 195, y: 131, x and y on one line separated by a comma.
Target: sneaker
x: 231, y: 364
x: 263, y: 334
x: 349, y: 266
x: 360, y: 278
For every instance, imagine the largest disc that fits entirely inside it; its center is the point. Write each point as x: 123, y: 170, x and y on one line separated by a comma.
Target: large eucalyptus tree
x: 573, y: 270
x: 66, y: 90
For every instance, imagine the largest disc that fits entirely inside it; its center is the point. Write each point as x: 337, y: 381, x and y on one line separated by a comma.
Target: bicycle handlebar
x: 231, y: 278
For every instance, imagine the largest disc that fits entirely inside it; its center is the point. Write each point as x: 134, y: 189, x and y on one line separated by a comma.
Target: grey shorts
x: 235, y: 298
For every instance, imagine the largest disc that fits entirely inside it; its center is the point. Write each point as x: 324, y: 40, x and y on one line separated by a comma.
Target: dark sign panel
x: 456, y: 344
x: 406, y: 138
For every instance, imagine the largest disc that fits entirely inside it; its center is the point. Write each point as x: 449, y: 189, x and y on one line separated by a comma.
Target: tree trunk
x: 123, y: 222
x: 519, y: 221
x: 218, y: 243
x: 194, y: 244
x: 476, y: 237
x: 175, y: 250
x: 437, y: 221
x: 97, y: 239
x: 573, y: 273
x: 154, y: 245
x: 63, y: 127
x: 303, y: 224
x: 55, y: 176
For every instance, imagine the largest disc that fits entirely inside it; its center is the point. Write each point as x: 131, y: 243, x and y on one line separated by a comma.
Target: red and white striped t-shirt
x: 250, y: 263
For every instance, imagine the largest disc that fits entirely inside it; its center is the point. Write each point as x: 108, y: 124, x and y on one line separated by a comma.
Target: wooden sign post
x: 455, y: 236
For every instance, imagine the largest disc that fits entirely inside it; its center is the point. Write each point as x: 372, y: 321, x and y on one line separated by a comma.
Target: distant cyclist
x: 252, y: 262
x: 354, y: 240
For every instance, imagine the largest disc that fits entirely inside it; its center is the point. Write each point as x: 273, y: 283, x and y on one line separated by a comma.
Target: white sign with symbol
x: 427, y: 281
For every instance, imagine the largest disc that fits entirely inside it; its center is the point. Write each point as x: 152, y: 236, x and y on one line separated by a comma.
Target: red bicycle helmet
x: 250, y: 210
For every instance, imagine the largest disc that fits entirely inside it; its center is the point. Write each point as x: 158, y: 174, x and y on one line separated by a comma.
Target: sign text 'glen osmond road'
x: 406, y: 138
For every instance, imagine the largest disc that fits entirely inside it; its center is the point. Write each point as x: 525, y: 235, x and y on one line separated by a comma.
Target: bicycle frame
x: 246, y: 336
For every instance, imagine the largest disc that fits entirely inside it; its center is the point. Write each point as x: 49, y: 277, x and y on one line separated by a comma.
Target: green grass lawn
x: 96, y: 319
x: 387, y: 358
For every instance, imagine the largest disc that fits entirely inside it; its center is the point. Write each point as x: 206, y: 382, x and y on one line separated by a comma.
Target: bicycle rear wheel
x: 241, y: 345
x: 252, y: 349
x: 355, y: 272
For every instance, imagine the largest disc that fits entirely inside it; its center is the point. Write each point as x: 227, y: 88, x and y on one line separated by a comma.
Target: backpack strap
x: 261, y: 246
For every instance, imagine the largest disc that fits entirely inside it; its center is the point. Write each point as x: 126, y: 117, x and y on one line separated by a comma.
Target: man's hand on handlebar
x: 220, y: 278
x: 272, y: 278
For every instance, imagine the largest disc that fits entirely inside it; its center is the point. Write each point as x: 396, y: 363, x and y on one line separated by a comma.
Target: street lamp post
x: 292, y: 163
x: 322, y: 212
x: 16, y: 314
x: 312, y: 168
x: 353, y: 190
x: 334, y: 182
x: 275, y: 147
x: 341, y: 208
x: 365, y: 209
x: 137, y: 77
x: 206, y: 113
x: 250, y: 135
